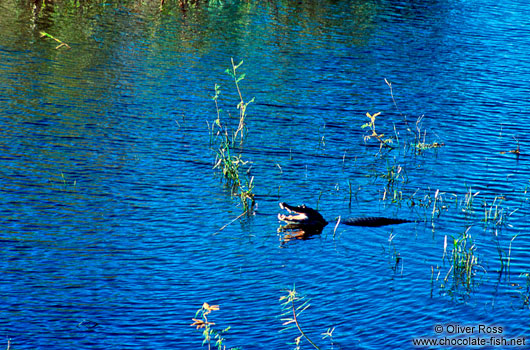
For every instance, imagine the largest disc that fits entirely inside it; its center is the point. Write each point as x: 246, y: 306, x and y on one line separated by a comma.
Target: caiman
x: 310, y: 221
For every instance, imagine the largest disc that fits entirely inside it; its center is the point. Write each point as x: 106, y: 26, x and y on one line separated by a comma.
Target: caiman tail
x: 373, y: 221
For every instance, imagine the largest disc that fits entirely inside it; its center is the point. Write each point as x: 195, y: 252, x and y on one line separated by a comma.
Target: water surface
x: 110, y: 210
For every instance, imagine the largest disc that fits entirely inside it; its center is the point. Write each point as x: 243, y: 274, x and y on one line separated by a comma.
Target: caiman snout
x: 301, y: 216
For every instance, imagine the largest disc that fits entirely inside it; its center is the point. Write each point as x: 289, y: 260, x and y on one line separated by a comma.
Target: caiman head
x: 302, y: 217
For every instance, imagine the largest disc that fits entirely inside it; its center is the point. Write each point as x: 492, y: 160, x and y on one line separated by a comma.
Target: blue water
x: 110, y: 210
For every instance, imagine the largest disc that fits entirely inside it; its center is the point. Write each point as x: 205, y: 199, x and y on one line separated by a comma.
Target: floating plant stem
x: 434, y: 205
x: 230, y: 222
x: 218, y: 110
x: 393, y: 99
x: 349, y: 189
x: 516, y: 151
x: 61, y: 44
x: 318, y: 200
x: 510, y: 254
x: 500, y: 251
x: 526, y: 294
x: 335, y: 228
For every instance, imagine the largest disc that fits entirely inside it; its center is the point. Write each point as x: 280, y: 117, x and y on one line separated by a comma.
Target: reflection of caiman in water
x: 304, y: 221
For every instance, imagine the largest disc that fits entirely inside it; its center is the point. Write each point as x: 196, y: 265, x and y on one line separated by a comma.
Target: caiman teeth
x: 284, y: 207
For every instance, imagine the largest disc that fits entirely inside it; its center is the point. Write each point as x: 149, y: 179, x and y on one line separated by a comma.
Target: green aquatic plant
x: 393, y: 99
x: 495, y: 214
x: 394, y: 195
x: 419, y: 144
x: 229, y: 164
x: 293, y: 305
x: 387, y: 143
x: 525, y: 295
x: 349, y: 193
x: 433, y: 205
x: 467, y: 204
x: 438, y: 204
x: 432, y: 278
x: 246, y: 195
x: 215, y: 98
x: 464, y: 264
x: 227, y: 159
x: 464, y: 259
x: 329, y: 334
x: 422, y: 146
x: 394, y: 175
x: 505, y: 256
x: 62, y: 184
x: 395, y: 256
x: 209, y: 333
x: 242, y: 105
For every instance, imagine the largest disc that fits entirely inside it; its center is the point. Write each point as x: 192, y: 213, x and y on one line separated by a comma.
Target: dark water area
x: 110, y: 210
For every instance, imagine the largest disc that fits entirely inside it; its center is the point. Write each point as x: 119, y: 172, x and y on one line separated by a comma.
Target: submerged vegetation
x: 398, y: 156
x: 461, y: 269
x: 396, y: 153
x: 417, y: 142
x: 293, y: 304
x: 464, y: 264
